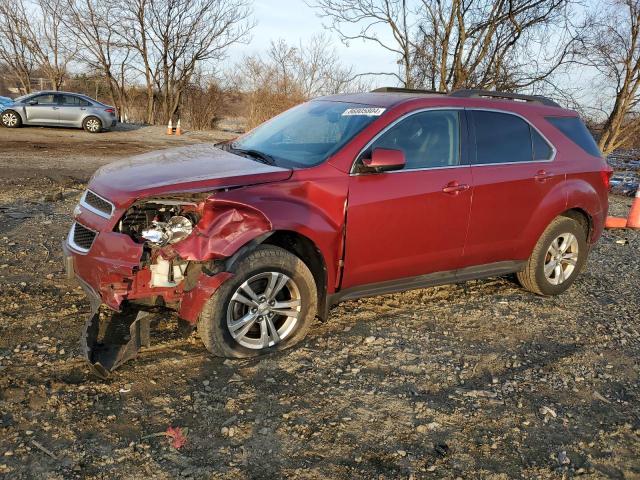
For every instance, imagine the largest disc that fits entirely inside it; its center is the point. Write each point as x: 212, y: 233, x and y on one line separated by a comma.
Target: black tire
x: 212, y: 323
x: 92, y: 124
x: 533, y: 277
x: 11, y: 119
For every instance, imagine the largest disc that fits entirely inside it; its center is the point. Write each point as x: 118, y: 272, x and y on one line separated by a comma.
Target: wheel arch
x: 17, y: 112
x: 307, y: 251
x: 297, y: 244
x: 582, y: 217
x: 574, y: 198
x: 91, y: 115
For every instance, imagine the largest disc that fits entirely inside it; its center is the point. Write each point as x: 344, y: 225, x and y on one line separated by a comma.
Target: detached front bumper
x: 110, y: 273
x: 106, y: 341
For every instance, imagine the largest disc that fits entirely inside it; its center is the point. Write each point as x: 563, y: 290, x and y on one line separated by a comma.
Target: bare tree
x: 319, y: 70
x: 450, y: 44
x: 492, y: 44
x: 49, y: 41
x: 13, y: 51
x: 34, y: 37
x: 184, y: 34
x: 287, y: 75
x: 94, y: 25
x: 374, y: 21
x: 613, y: 49
x: 203, y: 103
x: 135, y: 20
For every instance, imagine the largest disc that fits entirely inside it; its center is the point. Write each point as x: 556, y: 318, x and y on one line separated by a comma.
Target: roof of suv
x: 391, y: 97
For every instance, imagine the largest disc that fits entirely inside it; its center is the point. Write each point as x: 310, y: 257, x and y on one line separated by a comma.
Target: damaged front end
x: 161, y: 253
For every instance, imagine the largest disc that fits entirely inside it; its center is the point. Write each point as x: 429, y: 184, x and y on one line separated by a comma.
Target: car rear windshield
x: 310, y: 133
x: 577, y: 132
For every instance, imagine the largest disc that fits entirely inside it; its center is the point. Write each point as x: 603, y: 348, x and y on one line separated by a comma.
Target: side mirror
x: 385, y: 160
x: 32, y: 102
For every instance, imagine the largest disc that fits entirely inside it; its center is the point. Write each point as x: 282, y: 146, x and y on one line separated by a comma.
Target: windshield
x: 308, y: 134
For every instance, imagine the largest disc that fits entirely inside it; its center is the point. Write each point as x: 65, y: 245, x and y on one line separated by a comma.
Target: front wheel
x: 92, y: 124
x: 268, y: 305
x: 11, y: 119
x: 557, y: 258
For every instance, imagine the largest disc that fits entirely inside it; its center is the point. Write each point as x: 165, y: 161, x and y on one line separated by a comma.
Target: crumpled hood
x: 192, y: 168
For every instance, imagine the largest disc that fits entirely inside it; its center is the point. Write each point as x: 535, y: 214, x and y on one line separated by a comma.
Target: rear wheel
x: 268, y: 305
x: 92, y: 124
x: 557, y: 258
x: 11, y: 119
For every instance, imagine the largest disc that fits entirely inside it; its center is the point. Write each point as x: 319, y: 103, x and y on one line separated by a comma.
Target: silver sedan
x: 59, y: 109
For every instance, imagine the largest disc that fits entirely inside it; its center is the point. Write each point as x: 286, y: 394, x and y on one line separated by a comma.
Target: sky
x: 294, y: 21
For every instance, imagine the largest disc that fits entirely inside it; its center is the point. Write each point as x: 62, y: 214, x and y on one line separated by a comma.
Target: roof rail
x: 404, y: 90
x: 504, y: 95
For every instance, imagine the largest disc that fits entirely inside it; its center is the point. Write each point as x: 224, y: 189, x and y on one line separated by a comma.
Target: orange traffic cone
x: 634, y: 215
x: 178, y: 129
x: 615, y: 222
x: 170, y: 128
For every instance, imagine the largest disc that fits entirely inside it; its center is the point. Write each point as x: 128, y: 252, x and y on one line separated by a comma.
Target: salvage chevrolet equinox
x: 342, y: 197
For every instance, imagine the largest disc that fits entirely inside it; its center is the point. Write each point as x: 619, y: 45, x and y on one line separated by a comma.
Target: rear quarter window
x: 541, y: 149
x: 574, y: 129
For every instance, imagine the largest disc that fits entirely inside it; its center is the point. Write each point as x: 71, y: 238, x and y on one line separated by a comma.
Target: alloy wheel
x: 264, y: 310
x: 561, y: 258
x: 10, y: 119
x: 93, y: 125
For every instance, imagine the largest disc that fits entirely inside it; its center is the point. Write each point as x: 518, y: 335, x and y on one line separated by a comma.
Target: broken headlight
x: 162, y: 233
x: 159, y: 222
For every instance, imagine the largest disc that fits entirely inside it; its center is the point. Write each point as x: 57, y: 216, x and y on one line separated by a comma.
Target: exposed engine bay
x: 158, y: 223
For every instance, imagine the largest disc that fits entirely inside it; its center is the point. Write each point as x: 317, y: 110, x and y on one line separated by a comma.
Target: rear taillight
x: 605, y: 174
x: 110, y: 110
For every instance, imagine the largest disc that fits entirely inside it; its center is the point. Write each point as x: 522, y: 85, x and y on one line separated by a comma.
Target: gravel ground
x: 476, y: 380
x: 65, y: 152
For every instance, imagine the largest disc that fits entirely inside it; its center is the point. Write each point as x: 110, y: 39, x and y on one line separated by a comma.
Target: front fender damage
x: 224, y: 227
x: 108, y: 341
x: 194, y: 300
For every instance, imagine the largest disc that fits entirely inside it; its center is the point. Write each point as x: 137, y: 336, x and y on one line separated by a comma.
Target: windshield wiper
x: 256, y: 154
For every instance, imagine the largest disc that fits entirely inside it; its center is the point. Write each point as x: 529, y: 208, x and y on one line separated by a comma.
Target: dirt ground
x: 66, y: 152
x: 477, y: 380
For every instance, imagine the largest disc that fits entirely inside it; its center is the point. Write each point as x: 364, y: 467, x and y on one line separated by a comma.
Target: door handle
x: 56, y: 108
x: 454, y: 188
x: 543, y: 175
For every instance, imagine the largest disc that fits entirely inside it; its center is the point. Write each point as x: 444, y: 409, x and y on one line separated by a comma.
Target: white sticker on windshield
x: 366, y: 111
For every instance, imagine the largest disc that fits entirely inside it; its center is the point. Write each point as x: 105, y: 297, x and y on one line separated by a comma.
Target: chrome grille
x: 95, y: 203
x: 81, y: 238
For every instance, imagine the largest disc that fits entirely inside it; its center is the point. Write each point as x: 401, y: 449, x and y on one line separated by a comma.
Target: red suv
x: 341, y: 197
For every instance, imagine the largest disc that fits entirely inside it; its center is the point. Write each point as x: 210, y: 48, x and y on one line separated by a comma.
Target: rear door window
x: 429, y: 139
x: 73, y: 101
x: 577, y: 132
x: 501, y: 138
